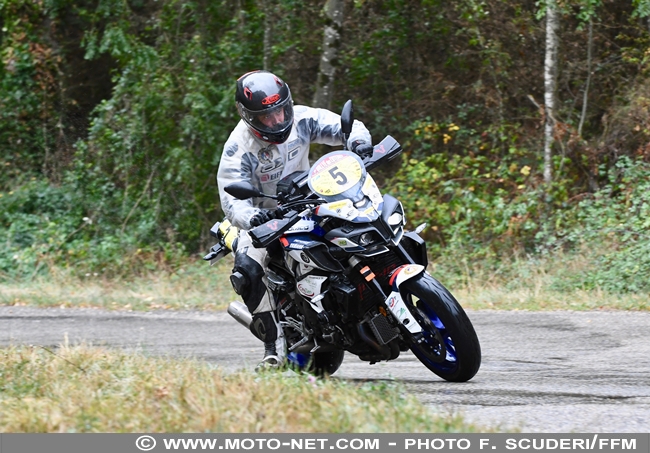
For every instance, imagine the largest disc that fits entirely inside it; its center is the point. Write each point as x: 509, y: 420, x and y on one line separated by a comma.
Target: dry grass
x: 196, y: 286
x: 532, y: 283
x: 518, y: 284
x: 85, y: 389
x: 498, y: 298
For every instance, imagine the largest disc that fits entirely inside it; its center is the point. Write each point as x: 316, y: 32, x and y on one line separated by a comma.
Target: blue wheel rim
x: 299, y: 361
x: 424, y: 350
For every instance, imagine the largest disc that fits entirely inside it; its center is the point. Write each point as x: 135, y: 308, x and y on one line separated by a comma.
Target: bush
x: 484, y: 204
x: 473, y: 200
x: 42, y: 225
x: 614, y: 224
x: 37, y: 222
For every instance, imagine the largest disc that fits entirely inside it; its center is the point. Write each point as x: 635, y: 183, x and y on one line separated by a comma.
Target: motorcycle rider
x: 271, y: 141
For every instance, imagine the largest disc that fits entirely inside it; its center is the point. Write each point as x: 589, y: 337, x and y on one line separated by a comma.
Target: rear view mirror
x: 243, y: 190
x: 347, y: 118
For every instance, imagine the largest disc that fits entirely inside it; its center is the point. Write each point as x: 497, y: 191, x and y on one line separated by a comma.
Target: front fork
x: 394, y: 300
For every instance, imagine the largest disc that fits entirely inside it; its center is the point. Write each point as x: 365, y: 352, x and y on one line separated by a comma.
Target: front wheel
x: 449, y: 346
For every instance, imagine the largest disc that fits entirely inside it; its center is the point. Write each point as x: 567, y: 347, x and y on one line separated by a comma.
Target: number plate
x: 335, y: 173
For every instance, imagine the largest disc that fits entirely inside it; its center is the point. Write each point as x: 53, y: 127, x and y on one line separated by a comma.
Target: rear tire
x: 450, y: 347
x: 318, y: 363
x: 326, y: 363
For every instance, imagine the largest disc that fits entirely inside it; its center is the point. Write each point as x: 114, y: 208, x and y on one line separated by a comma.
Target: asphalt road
x: 541, y: 372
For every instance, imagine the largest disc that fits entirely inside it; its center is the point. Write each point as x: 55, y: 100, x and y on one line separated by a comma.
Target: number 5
x: 337, y: 174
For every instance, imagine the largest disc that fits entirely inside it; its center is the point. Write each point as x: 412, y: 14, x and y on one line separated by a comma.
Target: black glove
x: 362, y: 149
x: 263, y: 216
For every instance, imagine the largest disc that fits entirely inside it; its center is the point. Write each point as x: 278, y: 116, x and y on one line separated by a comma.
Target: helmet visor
x: 272, y: 120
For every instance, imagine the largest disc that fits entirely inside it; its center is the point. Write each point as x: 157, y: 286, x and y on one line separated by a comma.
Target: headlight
x: 365, y: 239
x: 395, y: 219
x: 361, y: 203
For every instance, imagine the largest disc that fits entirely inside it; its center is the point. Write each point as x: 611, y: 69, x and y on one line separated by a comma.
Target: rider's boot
x: 273, y: 357
x: 266, y: 328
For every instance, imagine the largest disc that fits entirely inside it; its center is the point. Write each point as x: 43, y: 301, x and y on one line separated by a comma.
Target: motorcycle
x: 347, y: 276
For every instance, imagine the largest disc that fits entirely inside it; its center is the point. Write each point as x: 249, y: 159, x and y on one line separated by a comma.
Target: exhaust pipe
x: 240, y: 312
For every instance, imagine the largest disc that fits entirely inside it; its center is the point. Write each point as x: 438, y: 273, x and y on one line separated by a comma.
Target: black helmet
x: 264, y: 103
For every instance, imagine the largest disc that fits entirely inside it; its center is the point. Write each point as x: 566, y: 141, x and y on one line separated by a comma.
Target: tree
x: 268, y: 33
x: 331, y: 43
x: 550, y: 81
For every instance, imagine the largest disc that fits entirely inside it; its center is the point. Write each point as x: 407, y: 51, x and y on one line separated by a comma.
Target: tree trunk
x: 331, y: 43
x: 268, y: 32
x: 550, y: 79
x: 585, y: 95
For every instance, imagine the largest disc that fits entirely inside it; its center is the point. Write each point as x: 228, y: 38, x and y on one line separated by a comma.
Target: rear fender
x: 394, y: 301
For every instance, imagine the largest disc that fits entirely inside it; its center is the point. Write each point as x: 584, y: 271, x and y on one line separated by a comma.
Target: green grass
x: 86, y: 389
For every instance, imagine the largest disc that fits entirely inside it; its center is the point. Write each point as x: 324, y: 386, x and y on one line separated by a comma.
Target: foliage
x: 44, y: 226
x: 472, y: 200
x: 113, y: 115
x: 482, y: 208
x: 28, y: 87
x: 37, y: 220
x: 641, y: 8
x: 615, y: 223
x: 147, y: 165
x: 156, y: 141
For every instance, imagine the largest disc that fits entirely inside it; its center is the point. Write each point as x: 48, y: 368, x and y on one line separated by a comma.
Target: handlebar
x: 294, y: 210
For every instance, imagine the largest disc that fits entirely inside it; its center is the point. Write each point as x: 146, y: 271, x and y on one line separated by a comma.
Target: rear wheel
x: 449, y: 346
x: 318, y: 363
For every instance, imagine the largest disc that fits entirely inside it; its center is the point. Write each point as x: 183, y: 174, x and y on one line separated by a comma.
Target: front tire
x: 449, y: 347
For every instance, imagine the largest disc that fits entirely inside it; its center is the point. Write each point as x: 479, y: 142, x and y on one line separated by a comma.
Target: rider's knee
x: 246, y: 280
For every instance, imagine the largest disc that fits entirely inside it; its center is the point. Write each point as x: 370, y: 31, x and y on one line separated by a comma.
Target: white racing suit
x: 248, y: 158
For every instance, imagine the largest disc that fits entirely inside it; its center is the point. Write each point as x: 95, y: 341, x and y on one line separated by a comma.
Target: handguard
x: 227, y: 236
x: 263, y: 235
x: 384, y: 151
